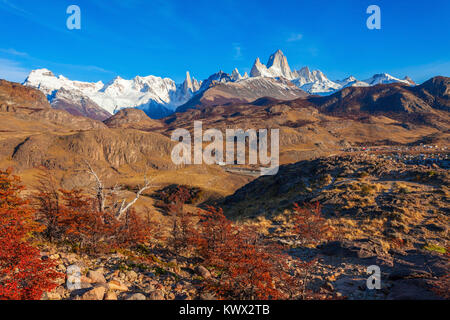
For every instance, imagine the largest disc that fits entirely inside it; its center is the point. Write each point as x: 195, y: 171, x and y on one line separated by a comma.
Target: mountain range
x: 159, y: 97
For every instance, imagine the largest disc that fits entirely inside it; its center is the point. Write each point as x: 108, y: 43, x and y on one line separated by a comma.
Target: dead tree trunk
x: 102, y: 193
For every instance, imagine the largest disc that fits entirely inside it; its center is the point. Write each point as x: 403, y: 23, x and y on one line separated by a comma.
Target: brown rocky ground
x: 384, y: 212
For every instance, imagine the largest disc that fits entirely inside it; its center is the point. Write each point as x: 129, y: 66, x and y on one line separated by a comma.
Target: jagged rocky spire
x: 279, y: 65
x: 187, y: 84
x: 235, y: 75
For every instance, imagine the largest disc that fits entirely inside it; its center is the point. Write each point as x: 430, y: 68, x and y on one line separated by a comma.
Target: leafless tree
x: 102, y: 193
x: 125, y: 207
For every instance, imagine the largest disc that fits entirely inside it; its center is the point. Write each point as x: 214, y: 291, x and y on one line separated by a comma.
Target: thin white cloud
x: 13, y: 7
x: 88, y: 68
x: 237, y: 51
x: 12, y: 71
x: 13, y: 52
x: 12, y: 68
x: 295, y: 37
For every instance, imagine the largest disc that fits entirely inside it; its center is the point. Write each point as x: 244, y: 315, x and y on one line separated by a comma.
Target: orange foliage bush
x: 182, y: 222
x: 442, y: 287
x: 95, y: 230
x: 48, y: 204
x: 82, y: 223
x: 247, y: 267
x: 310, y: 226
x: 74, y: 216
x: 23, y: 274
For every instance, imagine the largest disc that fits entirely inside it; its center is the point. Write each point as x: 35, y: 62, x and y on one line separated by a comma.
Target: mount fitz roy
x: 159, y: 97
x: 315, y: 82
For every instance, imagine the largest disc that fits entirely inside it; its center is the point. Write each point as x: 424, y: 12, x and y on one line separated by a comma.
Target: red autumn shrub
x: 182, y: 222
x: 310, y: 226
x: 81, y: 223
x: 442, y: 287
x: 214, y: 231
x: 167, y: 194
x: 23, y: 274
x: 48, y: 203
x: 92, y: 230
x: 83, y: 220
x: 132, y: 230
x: 246, y: 266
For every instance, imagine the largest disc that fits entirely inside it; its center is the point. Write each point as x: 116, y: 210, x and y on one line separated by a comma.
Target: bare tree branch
x: 102, y: 193
x: 99, y: 189
x: 123, y: 209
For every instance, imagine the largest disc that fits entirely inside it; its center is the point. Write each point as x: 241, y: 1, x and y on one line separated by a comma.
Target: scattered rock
x: 406, y: 273
x: 328, y: 286
x: 202, y: 271
x: 412, y: 289
x: 96, y: 293
x: 96, y: 277
x: 350, y: 249
x: 207, y: 296
x: 132, y: 276
x: 156, y: 295
x: 51, y: 296
x: 117, y: 285
x: 435, y: 228
x: 111, y: 295
x: 136, y: 296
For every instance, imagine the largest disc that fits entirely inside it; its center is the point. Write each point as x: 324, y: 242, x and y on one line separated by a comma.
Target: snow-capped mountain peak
x: 235, y: 75
x: 409, y: 80
x: 39, y: 73
x: 140, y: 92
x: 348, y: 80
x: 384, y: 78
x: 160, y: 96
x: 259, y: 70
x: 279, y: 66
x: 187, y: 84
x: 315, y: 81
x: 214, y: 79
x: 47, y: 82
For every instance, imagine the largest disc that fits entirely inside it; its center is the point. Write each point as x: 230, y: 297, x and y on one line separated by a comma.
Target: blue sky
x: 168, y: 37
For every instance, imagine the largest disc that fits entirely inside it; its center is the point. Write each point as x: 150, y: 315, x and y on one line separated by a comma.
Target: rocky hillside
x: 15, y: 97
x: 391, y: 98
x: 132, y: 118
x: 435, y: 92
x: 78, y: 105
x: 111, y: 147
x: 316, y: 126
x: 29, y: 106
x: 63, y: 119
x: 386, y: 210
x: 244, y: 91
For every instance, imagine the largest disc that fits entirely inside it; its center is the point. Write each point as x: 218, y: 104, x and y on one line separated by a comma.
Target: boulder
x: 96, y: 293
x: 132, y: 276
x: 202, y: 271
x: 117, y: 285
x: 111, y: 295
x: 96, y: 276
x: 156, y: 295
x: 136, y: 296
